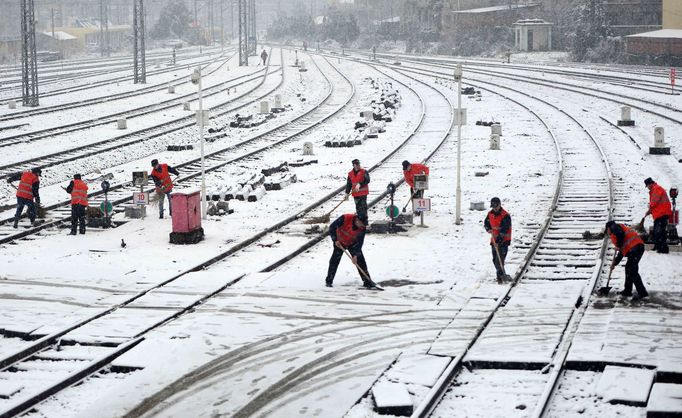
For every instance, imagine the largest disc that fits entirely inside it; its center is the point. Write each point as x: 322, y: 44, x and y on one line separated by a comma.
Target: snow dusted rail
x: 558, y: 263
x: 221, y: 60
x: 100, y: 355
x: 60, y: 78
x: 109, y: 144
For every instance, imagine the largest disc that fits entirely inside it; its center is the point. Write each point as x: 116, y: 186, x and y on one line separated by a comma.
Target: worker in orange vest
x: 661, y: 210
x: 357, y: 184
x: 498, y: 224
x: 409, y: 171
x: 348, y: 233
x: 162, y: 180
x: 27, y: 193
x: 630, y: 245
x: 78, y: 190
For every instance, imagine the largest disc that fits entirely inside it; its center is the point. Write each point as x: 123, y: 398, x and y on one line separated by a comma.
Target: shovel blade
x: 604, y: 291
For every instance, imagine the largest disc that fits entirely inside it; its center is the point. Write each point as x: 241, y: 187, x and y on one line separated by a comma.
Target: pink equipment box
x: 186, y: 211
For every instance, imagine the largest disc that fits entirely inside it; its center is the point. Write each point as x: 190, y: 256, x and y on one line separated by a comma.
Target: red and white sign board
x: 422, y: 205
x: 141, y: 198
x: 673, y: 74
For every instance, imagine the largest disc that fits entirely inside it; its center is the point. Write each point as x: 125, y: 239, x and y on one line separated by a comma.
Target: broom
x: 324, y: 218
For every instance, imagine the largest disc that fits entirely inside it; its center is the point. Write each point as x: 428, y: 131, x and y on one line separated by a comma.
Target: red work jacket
x: 659, y: 204
x: 631, y: 240
x: 495, y: 220
x: 79, y: 193
x: 25, y: 189
x: 414, y: 169
x: 346, y: 235
x: 356, y: 178
x: 164, y: 176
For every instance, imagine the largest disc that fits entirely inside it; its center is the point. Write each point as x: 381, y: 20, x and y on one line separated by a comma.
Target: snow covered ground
x: 278, y: 343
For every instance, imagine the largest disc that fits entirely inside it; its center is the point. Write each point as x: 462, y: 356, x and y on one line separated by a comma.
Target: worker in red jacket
x: 164, y: 185
x: 27, y: 193
x: 499, y: 225
x: 357, y: 185
x: 348, y: 233
x: 630, y: 245
x: 409, y: 171
x: 661, y: 210
x: 79, y: 201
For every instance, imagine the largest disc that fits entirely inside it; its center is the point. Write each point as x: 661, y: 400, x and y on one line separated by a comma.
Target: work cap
x: 155, y: 162
x: 405, y: 165
x: 648, y: 181
x: 355, y: 161
x: 609, y: 224
x: 495, y: 201
x: 76, y: 176
x: 37, y: 171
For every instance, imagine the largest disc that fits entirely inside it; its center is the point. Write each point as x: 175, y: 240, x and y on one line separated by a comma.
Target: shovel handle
x: 365, y: 275
x: 499, y: 258
x: 335, y: 207
x: 408, y: 202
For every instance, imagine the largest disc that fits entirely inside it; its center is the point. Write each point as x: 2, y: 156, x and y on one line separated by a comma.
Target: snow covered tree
x: 174, y: 21
x: 591, y: 27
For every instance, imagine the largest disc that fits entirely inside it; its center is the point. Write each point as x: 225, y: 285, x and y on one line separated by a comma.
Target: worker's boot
x: 368, y: 283
x: 16, y: 224
x: 328, y: 283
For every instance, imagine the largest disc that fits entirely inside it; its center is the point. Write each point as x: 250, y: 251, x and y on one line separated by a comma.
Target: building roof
x: 532, y: 22
x: 494, y: 8
x: 663, y: 33
x: 59, y: 35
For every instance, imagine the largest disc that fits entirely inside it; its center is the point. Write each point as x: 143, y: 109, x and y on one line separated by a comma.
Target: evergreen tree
x: 174, y: 21
x: 591, y: 27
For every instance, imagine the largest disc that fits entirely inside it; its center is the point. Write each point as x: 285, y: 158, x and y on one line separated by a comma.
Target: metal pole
x: 201, y: 137
x: 458, y: 211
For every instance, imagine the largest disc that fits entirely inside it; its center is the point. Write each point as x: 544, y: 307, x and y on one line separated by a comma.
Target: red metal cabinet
x: 186, y: 211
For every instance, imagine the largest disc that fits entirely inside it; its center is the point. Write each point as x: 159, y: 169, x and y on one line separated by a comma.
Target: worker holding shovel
x: 630, y: 245
x: 499, y: 225
x: 27, y: 193
x: 348, y: 235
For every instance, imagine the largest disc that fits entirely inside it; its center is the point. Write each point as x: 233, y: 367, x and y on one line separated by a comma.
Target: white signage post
x: 460, y: 119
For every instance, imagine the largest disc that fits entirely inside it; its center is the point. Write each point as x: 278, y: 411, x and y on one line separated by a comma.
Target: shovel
x: 604, y: 291
x: 408, y: 202
x: 497, y: 251
x: 324, y: 218
x: 365, y: 275
x: 640, y: 226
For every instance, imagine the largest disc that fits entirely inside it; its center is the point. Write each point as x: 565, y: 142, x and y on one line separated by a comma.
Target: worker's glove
x: 157, y: 190
x: 339, y: 245
x: 355, y: 259
x: 346, y: 197
x: 499, y: 240
x: 356, y: 187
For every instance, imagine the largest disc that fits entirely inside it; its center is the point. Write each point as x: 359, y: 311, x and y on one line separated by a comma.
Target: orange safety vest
x: 630, y: 241
x: 345, y: 234
x: 79, y: 193
x: 414, y: 169
x: 659, y: 204
x: 495, y: 224
x: 25, y: 189
x: 164, y: 176
x: 356, y: 178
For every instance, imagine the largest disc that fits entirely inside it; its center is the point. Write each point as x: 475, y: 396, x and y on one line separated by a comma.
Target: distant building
x: 533, y: 35
x: 661, y: 46
x: 60, y: 42
x: 626, y: 17
x: 491, y: 16
x: 10, y: 49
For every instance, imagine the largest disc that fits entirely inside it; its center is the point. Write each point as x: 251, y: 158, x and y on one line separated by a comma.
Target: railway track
x: 176, y: 128
x: 60, y: 79
x: 55, y: 132
x: 109, y: 98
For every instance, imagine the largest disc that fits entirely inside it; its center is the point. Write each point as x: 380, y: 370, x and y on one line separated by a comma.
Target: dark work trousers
x: 503, y: 248
x: 161, y: 199
x: 77, y: 218
x: 661, y: 234
x: 361, y: 205
x: 632, y: 272
x: 21, y: 202
x: 334, y: 264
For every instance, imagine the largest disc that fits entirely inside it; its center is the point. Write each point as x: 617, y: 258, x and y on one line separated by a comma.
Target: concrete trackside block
x: 135, y: 212
x: 392, y: 399
x: 12, y: 104
x: 625, y: 385
x: 256, y: 194
x: 122, y: 123
x: 665, y: 401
